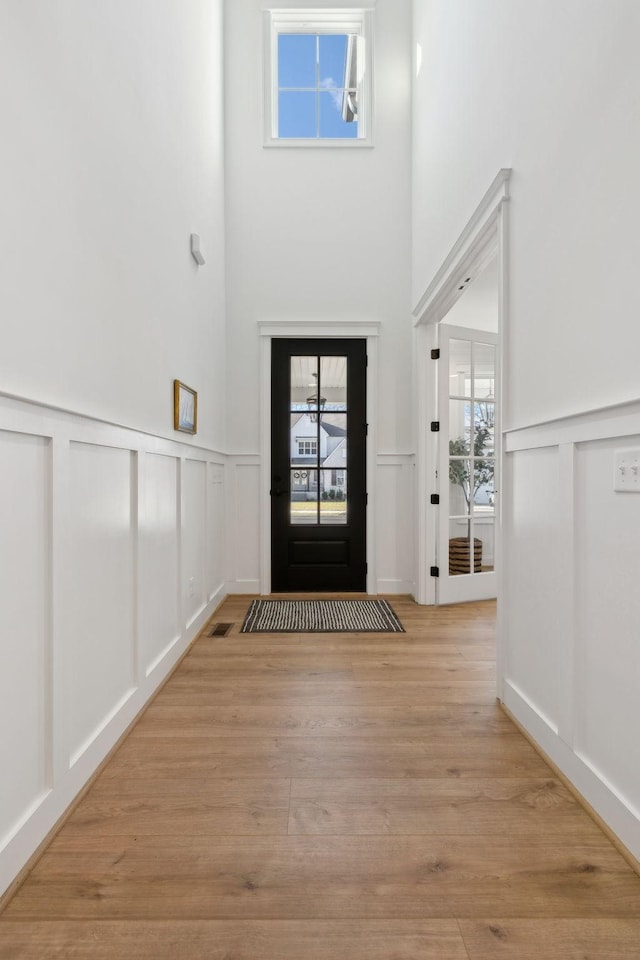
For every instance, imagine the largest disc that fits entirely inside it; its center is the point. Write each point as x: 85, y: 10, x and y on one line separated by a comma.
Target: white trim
x: 395, y: 459
x: 317, y: 6
x: 325, y: 144
x: 396, y: 587
x: 58, y: 735
x: 514, y: 694
x: 243, y: 587
x: 567, y: 620
x: 504, y: 331
x: 300, y: 329
x: 612, y: 420
x: 163, y: 653
x: 158, y: 442
x: 297, y: 329
x: 472, y: 251
x: 244, y: 459
x: 101, y: 727
x: 265, y: 459
x: 372, y: 420
x: 426, y: 339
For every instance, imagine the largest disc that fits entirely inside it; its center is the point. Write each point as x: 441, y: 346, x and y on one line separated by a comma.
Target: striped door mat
x: 321, y: 616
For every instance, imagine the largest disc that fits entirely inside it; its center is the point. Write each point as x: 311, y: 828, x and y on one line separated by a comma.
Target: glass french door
x: 467, y: 464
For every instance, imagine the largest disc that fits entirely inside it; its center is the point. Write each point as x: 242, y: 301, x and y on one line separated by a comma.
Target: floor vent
x: 220, y: 630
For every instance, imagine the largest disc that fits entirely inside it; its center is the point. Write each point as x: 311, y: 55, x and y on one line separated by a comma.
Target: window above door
x: 318, y: 78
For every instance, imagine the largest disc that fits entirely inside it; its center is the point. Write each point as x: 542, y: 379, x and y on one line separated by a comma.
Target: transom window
x: 317, y: 83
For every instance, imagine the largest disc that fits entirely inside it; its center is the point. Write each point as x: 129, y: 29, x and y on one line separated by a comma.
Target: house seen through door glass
x: 318, y: 451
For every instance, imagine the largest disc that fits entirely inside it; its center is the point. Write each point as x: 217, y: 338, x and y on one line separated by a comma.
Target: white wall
x: 319, y: 234
x: 112, y: 155
x: 553, y: 91
x: 112, y: 552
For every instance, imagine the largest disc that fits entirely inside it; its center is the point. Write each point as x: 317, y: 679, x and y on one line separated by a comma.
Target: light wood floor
x: 329, y: 797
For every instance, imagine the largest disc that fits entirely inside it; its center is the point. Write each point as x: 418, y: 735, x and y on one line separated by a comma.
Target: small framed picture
x: 185, y: 408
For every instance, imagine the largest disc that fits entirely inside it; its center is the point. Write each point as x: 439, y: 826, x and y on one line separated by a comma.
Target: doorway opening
x: 468, y: 454
x: 460, y: 382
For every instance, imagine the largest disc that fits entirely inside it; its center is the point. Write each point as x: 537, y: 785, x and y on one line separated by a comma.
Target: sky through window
x: 311, y: 87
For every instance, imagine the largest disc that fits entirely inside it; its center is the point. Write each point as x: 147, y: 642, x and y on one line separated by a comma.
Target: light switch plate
x: 626, y: 477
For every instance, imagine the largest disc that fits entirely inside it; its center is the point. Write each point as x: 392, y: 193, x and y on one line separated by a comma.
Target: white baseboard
x: 216, y: 598
x: 382, y: 586
x: 613, y: 809
x: 242, y: 586
x: 396, y: 586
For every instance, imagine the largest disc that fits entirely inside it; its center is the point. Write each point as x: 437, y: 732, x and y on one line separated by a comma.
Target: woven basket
x: 459, y: 555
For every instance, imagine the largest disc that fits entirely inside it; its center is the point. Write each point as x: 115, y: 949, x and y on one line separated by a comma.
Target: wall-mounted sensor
x: 195, y: 249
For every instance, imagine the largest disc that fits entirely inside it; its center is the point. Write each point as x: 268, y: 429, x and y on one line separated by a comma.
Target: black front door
x: 318, y: 465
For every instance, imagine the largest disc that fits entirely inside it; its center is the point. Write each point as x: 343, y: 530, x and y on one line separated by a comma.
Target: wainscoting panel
x: 243, y: 524
x: 532, y: 662
x: 194, y: 487
x: 25, y: 612
x: 159, y: 537
x: 101, y: 645
x: 395, y: 542
x: 215, y: 528
x: 608, y: 588
x: 571, y: 607
x: 111, y: 561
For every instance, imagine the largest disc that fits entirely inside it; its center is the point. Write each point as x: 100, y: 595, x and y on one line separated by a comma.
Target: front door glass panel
x: 318, y: 441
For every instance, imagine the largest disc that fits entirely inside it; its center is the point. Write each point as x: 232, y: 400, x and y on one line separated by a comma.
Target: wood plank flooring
x: 329, y: 797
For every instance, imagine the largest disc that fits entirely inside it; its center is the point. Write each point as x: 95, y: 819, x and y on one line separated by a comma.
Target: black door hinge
x: 366, y: 499
x: 366, y: 429
x: 435, y: 571
x: 435, y: 354
x: 435, y: 499
x: 435, y: 426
